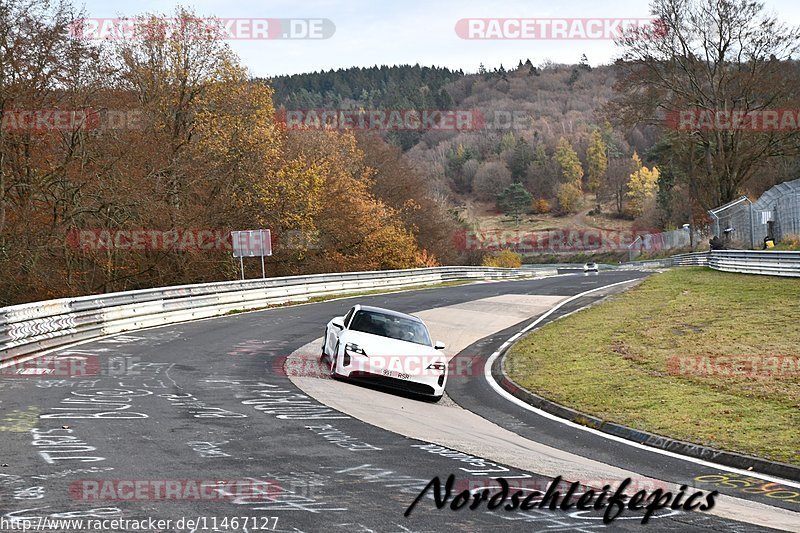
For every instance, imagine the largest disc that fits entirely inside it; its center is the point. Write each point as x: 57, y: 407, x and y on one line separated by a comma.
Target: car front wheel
x: 334, y: 358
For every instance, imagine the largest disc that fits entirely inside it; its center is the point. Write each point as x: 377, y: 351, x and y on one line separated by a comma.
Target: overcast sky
x: 370, y: 32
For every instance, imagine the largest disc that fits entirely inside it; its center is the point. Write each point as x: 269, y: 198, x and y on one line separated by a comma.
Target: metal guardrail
x: 646, y: 264
x: 743, y: 261
x: 756, y: 262
x: 38, y: 326
x: 692, y: 259
x: 549, y: 266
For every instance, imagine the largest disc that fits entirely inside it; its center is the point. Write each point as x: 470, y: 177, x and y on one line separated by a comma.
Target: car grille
x: 393, y: 383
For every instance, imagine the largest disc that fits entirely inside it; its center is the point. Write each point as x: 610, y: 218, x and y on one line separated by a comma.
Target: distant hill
x: 401, y: 86
x: 464, y: 166
x: 555, y: 100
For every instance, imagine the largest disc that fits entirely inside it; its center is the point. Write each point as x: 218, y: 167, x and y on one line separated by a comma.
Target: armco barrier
x: 756, y: 262
x: 33, y: 327
x: 744, y: 261
x: 765, y: 262
x: 693, y: 259
x: 645, y: 265
x: 37, y: 326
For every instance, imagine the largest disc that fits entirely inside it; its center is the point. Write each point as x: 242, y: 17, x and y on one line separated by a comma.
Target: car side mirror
x: 439, y: 345
x: 338, y: 322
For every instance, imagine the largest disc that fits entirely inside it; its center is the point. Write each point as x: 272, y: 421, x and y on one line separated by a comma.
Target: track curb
x: 722, y: 457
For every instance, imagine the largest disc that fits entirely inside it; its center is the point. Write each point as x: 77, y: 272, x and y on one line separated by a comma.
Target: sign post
x: 252, y: 243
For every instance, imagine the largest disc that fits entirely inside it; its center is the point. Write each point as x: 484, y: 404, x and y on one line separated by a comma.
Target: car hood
x: 384, y: 346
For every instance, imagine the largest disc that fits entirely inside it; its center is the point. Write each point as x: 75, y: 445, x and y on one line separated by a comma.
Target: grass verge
x: 642, y: 359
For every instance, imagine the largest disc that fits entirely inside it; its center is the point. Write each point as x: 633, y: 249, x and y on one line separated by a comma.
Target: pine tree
x: 520, y: 159
x: 514, y: 201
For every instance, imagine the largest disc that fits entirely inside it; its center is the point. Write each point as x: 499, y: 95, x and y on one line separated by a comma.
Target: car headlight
x: 437, y: 366
x: 354, y: 348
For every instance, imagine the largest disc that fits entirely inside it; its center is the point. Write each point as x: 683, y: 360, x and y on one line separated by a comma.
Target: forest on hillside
x: 104, y: 146
x: 571, y: 141
x: 124, y: 165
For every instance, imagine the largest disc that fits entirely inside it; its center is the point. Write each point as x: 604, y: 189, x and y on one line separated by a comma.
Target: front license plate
x: 398, y: 375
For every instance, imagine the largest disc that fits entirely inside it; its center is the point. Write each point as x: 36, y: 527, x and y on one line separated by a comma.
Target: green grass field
x: 620, y: 360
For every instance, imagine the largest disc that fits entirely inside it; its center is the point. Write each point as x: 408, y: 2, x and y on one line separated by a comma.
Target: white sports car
x: 386, y: 348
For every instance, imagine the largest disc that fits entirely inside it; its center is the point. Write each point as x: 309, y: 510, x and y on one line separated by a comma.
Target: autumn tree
x: 506, y: 143
x: 491, y: 178
x: 468, y: 172
x: 353, y: 229
x: 206, y: 138
x: 571, y: 168
x: 707, y: 57
x: 503, y: 259
x: 617, y: 177
x: 169, y: 64
x: 541, y: 206
x: 454, y: 165
x: 642, y: 186
x: 198, y: 149
x: 544, y: 173
x: 597, y: 160
x: 569, y: 198
x: 42, y: 170
x: 406, y: 190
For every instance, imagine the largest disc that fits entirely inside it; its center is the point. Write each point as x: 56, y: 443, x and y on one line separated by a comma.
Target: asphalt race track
x: 209, y: 404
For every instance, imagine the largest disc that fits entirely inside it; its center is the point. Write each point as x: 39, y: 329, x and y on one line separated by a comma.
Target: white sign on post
x: 252, y: 243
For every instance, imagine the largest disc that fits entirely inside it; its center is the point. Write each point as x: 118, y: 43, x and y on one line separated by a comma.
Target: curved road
x: 206, y: 409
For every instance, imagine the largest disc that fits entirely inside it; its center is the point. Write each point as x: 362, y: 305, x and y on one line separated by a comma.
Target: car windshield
x: 392, y: 326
